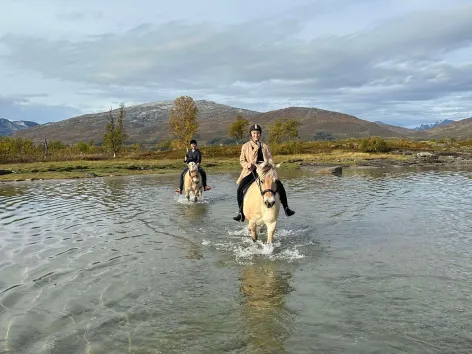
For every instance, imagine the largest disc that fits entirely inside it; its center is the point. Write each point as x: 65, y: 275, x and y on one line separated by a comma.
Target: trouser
x: 246, y: 181
x: 200, y: 170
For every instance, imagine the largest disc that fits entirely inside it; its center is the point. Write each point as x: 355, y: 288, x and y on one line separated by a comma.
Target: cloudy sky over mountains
x: 399, y: 61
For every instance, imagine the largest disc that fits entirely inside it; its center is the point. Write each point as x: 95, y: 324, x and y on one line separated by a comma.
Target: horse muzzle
x: 269, y: 203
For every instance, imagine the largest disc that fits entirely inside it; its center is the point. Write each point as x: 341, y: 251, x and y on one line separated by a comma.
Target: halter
x: 259, y: 181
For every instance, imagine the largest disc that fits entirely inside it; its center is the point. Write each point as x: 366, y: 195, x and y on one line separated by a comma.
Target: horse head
x: 193, y: 172
x: 267, y: 172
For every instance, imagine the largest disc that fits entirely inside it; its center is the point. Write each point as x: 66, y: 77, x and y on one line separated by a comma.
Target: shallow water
x: 372, y: 262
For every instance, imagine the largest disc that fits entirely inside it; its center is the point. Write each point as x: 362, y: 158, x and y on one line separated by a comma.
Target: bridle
x: 193, y: 173
x: 259, y: 182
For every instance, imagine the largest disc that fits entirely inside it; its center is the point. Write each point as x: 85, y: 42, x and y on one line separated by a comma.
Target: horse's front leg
x: 187, y: 194
x: 252, y: 230
x: 270, y: 231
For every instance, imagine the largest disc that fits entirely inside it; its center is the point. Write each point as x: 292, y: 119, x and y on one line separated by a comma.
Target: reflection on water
x: 374, y: 261
x: 267, y: 319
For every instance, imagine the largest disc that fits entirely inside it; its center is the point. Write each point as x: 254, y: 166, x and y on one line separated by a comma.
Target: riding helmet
x: 256, y: 127
x: 193, y: 141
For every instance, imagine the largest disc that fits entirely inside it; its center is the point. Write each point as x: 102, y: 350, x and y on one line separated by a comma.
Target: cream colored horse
x: 193, y: 182
x: 262, y: 202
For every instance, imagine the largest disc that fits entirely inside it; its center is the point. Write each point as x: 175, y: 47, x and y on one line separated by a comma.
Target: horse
x: 262, y: 203
x: 193, y: 182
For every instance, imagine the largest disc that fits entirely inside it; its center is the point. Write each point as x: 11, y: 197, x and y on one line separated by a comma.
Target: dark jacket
x: 193, y: 156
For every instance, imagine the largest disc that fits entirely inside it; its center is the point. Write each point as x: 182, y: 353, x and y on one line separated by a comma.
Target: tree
x: 238, y: 129
x: 183, y: 123
x: 283, y: 129
x: 114, y: 138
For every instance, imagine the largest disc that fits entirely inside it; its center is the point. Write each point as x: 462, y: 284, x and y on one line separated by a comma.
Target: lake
x: 374, y: 261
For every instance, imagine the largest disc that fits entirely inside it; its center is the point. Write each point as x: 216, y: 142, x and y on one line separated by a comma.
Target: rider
x: 193, y: 155
x: 252, y: 153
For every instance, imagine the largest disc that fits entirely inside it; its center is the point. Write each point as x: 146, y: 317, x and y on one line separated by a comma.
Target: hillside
x: 8, y: 127
x: 338, y: 124
x: 144, y: 123
x: 147, y: 124
x: 458, y: 129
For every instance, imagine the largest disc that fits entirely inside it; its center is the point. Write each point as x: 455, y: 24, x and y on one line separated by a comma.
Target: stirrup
x: 207, y: 188
x: 178, y: 190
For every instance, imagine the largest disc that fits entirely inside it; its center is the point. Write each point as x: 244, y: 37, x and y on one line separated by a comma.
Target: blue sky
x: 399, y: 61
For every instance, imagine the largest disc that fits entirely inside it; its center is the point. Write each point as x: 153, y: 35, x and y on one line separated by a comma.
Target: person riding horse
x: 253, y: 153
x: 193, y: 155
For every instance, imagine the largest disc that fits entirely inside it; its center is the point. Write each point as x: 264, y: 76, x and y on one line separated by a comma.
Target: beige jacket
x: 249, y: 157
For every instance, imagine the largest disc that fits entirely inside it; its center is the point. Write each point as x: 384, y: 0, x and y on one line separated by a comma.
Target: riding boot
x: 240, y: 216
x: 283, y: 198
x: 181, y: 186
x: 204, y: 176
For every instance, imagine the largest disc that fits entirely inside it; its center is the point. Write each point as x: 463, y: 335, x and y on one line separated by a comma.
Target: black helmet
x: 193, y: 141
x: 256, y: 127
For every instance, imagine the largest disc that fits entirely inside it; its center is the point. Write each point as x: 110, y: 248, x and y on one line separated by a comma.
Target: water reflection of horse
x: 193, y: 182
x: 265, y: 315
x: 262, y: 203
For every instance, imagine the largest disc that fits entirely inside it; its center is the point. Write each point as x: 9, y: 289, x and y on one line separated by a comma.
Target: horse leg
x: 252, y: 230
x: 270, y: 231
x: 187, y: 194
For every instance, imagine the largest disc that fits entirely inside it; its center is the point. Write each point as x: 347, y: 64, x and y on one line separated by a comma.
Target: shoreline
x: 333, y: 162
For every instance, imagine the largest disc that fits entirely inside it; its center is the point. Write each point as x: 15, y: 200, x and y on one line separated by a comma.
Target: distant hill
x: 457, y: 129
x: 148, y: 123
x: 438, y: 123
x: 8, y: 127
x: 144, y: 123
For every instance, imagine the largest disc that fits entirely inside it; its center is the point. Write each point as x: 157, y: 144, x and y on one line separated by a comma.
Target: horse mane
x: 192, y: 166
x: 267, y: 168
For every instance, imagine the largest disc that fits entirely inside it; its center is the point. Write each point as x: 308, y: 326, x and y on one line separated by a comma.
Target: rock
x: 90, y: 174
x: 427, y: 156
x: 5, y: 172
x: 338, y: 170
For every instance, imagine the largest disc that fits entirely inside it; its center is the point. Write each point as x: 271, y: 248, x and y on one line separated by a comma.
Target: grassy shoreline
x: 134, y: 166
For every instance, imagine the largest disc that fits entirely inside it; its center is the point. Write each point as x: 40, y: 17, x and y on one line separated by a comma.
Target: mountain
x: 423, y: 127
x: 457, y: 129
x: 147, y: 124
x: 8, y: 127
x: 339, y: 125
x: 144, y: 123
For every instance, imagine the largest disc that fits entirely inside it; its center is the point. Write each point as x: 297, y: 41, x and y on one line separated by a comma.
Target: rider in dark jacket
x: 193, y: 155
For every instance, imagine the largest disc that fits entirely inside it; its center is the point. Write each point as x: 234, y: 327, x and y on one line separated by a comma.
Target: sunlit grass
x: 346, y: 152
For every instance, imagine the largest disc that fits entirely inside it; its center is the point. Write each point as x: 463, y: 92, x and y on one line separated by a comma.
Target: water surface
x: 372, y: 262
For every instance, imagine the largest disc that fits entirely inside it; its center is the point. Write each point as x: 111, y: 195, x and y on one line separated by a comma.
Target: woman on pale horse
x: 255, y: 152
x: 193, y: 155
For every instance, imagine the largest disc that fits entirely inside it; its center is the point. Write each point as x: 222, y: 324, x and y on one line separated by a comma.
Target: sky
x: 401, y: 62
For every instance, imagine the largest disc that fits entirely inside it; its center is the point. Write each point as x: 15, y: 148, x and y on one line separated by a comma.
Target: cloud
x: 392, y: 71
x: 20, y: 108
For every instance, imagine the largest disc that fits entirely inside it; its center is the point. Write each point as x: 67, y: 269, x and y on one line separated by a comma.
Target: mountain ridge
x: 146, y: 123
x: 9, y: 127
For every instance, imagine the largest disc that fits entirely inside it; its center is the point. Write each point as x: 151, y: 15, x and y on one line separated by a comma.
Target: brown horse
x: 193, y: 182
x: 262, y: 203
